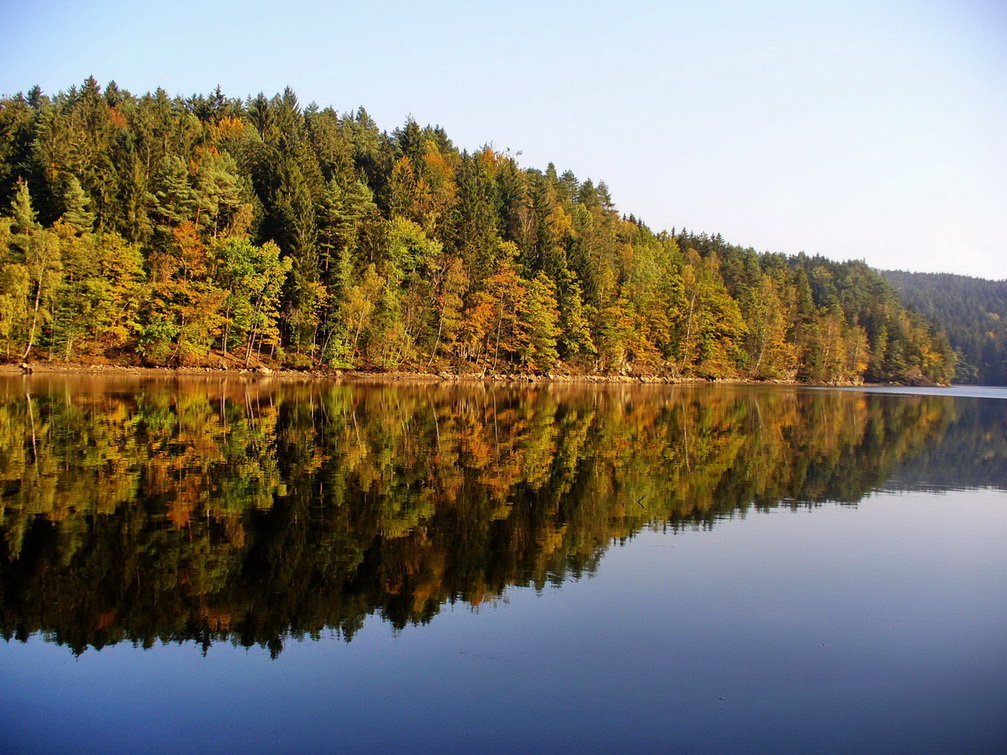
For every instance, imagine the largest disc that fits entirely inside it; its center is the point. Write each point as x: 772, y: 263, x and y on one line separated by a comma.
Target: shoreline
x: 399, y: 376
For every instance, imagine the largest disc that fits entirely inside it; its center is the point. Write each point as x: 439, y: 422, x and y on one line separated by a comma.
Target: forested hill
x: 194, y: 231
x: 973, y: 313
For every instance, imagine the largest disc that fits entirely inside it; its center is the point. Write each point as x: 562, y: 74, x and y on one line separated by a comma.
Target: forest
x: 215, y: 231
x: 973, y: 313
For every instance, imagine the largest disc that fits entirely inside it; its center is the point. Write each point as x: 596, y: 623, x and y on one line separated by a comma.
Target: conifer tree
x: 75, y: 203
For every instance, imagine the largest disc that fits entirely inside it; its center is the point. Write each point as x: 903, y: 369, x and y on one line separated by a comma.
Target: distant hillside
x: 973, y: 313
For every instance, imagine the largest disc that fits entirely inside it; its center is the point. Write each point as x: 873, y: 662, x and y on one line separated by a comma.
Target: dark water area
x: 192, y: 564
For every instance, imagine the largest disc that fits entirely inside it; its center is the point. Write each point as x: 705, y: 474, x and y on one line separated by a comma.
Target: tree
x: 506, y: 293
x: 253, y: 278
x: 22, y: 212
x: 43, y: 265
x: 710, y: 323
x: 39, y: 254
x: 771, y: 355
x: 174, y: 199
x: 361, y: 301
x: 75, y: 203
x: 576, y: 342
x: 448, y: 284
x: 14, y: 292
x: 541, y: 314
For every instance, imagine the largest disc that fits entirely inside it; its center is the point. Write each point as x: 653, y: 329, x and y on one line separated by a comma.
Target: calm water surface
x: 193, y: 565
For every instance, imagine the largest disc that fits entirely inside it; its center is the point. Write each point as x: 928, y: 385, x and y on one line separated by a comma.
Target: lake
x: 196, y: 564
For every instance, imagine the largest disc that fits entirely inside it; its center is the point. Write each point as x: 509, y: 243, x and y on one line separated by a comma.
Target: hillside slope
x: 973, y: 313
x: 157, y: 230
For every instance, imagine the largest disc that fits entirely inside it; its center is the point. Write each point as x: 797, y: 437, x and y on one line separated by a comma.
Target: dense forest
x: 222, y: 509
x: 215, y: 231
x: 973, y: 313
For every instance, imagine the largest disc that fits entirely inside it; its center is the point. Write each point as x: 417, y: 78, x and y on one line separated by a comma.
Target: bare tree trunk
x: 178, y: 343
x: 325, y: 345
x: 496, y: 352
x: 227, y: 331
x: 34, y: 319
x: 437, y: 341
x: 255, y: 330
x: 251, y: 344
x: 762, y: 350
x: 688, y: 328
x: 356, y: 334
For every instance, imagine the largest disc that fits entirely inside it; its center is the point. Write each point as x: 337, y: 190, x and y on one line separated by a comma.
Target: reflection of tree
x: 211, y: 510
x: 971, y: 453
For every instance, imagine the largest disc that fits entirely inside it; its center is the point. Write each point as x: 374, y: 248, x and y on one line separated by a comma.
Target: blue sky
x: 866, y: 130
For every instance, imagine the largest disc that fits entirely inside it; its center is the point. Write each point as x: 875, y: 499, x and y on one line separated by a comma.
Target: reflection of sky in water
x: 953, y: 391
x: 877, y: 627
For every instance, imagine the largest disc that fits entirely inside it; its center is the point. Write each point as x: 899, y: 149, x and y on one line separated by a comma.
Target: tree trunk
x: 437, y: 341
x: 34, y: 320
x: 688, y: 330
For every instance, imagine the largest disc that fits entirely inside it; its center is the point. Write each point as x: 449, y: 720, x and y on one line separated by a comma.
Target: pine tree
x: 75, y: 203
x: 576, y: 343
x: 22, y: 211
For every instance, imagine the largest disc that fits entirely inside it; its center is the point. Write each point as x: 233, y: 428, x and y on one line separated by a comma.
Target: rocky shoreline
x: 356, y: 376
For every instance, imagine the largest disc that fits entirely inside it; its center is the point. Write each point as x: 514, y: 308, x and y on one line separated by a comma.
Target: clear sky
x: 866, y: 130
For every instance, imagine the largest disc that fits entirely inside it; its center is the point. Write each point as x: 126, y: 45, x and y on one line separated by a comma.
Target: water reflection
x: 254, y: 512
